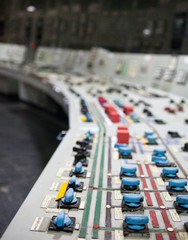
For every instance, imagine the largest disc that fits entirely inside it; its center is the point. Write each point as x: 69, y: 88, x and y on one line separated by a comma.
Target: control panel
x: 12, y: 53
x: 121, y: 170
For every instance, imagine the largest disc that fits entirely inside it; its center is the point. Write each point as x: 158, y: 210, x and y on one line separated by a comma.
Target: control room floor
x: 27, y: 141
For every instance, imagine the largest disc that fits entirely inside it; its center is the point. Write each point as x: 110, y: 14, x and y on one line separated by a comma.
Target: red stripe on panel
x: 153, y: 184
x: 148, y: 198
x: 159, y: 236
x: 148, y: 170
x: 154, y: 220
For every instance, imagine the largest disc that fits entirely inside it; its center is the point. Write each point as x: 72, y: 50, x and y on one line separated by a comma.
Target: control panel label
x: 174, y: 215
x: 118, y: 213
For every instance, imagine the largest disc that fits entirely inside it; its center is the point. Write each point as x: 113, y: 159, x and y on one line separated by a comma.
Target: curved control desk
x: 101, y: 211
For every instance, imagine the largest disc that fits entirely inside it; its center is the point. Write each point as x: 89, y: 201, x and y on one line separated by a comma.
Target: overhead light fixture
x: 146, y: 31
x: 31, y: 8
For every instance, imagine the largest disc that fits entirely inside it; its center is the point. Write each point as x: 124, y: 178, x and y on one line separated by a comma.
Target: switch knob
x: 170, y: 171
x: 136, y: 222
x: 79, y: 156
x: 83, y: 103
x: 120, y: 104
x: 177, y: 184
x: 69, y: 197
x: 148, y: 133
x: 62, y: 220
x: 182, y: 201
x: 159, y: 151
x: 130, y: 183
x: 174, y: 134
x: 185, y: 147
x: 73, y: 182
x: 88, y: 116
x: 133, y: 200
x: 118, y: 145
x: 84, y: 144
x: 159, y: 159
x: 151, y: 139
x: 128, y: 170
x: 88, y: 137
x: 78, y: 168
x: 125, y: 150
x: 134, y: 117
x: 77, y: 149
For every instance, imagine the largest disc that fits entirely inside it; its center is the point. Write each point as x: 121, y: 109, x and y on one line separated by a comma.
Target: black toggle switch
x: 185, y: 147
x: 84, y: 110
x: 186, y: 226
x: 147, y: 112
x: 159, y: 121
x: 174, y: 134
x: 81, y: 157
x: 81, y: 150
x: 84, y: 144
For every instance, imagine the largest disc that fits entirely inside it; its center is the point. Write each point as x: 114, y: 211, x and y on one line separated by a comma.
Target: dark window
x: 23, y: 5
x: 38, y: 4
x: 2, y: 28
x: 39, y: 31
x: 52, y: 4
x: 178, y: 31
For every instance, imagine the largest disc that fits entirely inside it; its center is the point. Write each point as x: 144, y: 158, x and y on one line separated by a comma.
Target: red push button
x: 122, y: 127
x: 123, y: 136
x: 127, y: 109
x: 114, y: 116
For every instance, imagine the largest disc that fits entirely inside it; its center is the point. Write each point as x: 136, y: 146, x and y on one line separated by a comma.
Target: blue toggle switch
x: 78, y: 168
x: 88, y: 116
x: 177, y: 184
x: 62, y: 220
x: 118, y: 145
x: 130, y: 183
x: 133, y: 200
x: 151, y: 139
x: 89, y: 133
x: 125, y: 150
x: 148, y: 133
x: 83, y: 102
x: 182, y: 201
x: 160, y: 159
x: 73, y: 181
x: 136, y: 222
x: 159, y: 152
x: 120, y: 104
x: 69, y: 197
x: 128, y: 170
x: 170, y: 171
x: 134, y: 117
x: 88, y: 136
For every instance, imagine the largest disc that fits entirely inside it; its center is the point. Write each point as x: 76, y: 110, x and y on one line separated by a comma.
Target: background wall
x: 159, y: 26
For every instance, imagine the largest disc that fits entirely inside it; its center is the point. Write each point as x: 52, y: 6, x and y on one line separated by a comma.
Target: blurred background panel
x: 158, y: 26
